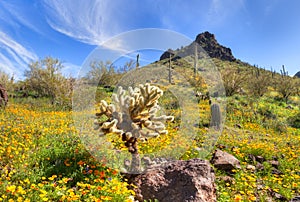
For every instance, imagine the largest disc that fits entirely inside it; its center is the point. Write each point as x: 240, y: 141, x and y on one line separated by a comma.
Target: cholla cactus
x: 132, y: 116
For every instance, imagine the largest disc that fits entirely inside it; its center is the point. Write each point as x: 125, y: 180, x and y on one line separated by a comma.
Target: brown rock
x: 295, y: 199
x: 3, y: 96
x: 274, y: 163
x: 176, y: 181
x: 260, y: 159
x: 224, y: 161
x: 250, y: 167
x: 259, y: 166
x: 227, y: 179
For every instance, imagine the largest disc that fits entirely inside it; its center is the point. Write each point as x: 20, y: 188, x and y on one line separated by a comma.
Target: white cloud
x: 14, y: 58
x: 89, y: 22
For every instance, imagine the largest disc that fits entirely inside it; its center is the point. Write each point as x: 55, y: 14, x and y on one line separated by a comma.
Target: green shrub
x: 294, y: 121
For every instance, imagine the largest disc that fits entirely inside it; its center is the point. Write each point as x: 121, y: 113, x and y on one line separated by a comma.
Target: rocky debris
x: 276, y: 171
x: 274, y: 163
x: 251, y: 168
x: 276, y: 195
x: 296, y: 198
x: 3, y: 96
x: 260, y: 159
x: 259, y: 166
x: 176, y: 181
x: 226, y: 179
x: 225, y: 161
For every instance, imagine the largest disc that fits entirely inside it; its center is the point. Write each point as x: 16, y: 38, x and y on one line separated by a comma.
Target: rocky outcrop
x: 3, y: 96
x: 297, y: 74
x: 224, y: 161
x: 176, y: 181
x: 209, y: 43
x: 210, y: 47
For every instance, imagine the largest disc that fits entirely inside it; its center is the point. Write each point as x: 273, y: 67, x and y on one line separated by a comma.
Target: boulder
x: 225, y: 161
x: 176, y: 181
x: 3, y: 96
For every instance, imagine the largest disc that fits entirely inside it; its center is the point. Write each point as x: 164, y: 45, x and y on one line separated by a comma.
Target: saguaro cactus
x: 215, y: 116
x: 132, y: 117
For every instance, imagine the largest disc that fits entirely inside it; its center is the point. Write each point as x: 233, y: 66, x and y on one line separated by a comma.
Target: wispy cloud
x: 14, y: 58
x: 91, y: 22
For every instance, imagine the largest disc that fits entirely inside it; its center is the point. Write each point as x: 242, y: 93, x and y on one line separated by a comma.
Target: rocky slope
x: 210, y: 47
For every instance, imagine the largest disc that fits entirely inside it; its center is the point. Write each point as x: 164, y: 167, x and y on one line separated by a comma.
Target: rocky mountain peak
x: 209, y: 44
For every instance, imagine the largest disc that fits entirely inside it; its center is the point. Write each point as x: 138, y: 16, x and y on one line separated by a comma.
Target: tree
x: 259, y: 82
x: 286, y: 85
x: 232, y: 80
x: 45, y: 79
x: 102, y: 73
x: 7, y: 81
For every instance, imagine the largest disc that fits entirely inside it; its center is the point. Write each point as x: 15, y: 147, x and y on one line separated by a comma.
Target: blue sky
x: 262, y: 32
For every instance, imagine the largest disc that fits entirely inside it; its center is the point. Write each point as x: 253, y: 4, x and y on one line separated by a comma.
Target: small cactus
x: 215, y: 116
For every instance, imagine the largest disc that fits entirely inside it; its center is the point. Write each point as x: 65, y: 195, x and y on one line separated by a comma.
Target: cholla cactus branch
x: 133, y: 116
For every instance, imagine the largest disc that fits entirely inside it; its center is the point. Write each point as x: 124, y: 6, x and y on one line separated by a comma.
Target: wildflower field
x: 42, y: 158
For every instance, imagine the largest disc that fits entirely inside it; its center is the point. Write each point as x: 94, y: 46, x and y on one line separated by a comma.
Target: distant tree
x: 102, y: 73
x: 259, y: 81
x: 233, y: 80
x: 286, y: 85
x: 45, y: 79
x: 129, y: 65
x: 7, y: 81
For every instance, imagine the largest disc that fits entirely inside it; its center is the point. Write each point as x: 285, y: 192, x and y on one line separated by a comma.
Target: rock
x: 276, y: 195
x: 295, y: 199
x: 227, y: 179
x: 260, y: 159
x: 252, y: 157
x: 176, y: 181
x: 209, y: 43
x: 297, y: 74
x: 209, y: 46
x: 274, y: 163
x: 250, y: 167
x: 224, y: 161
x: 3, y: 96
x: 259, y: 166
x: 276, y: 171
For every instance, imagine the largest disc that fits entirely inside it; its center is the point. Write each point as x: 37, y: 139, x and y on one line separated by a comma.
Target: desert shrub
x: 259, y: 82
x: 286, y: 85
x: 45, y: 80
x: 294, y: 121
x: 266, y: 112
x: 233, y: 80
x: 7, y: 81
